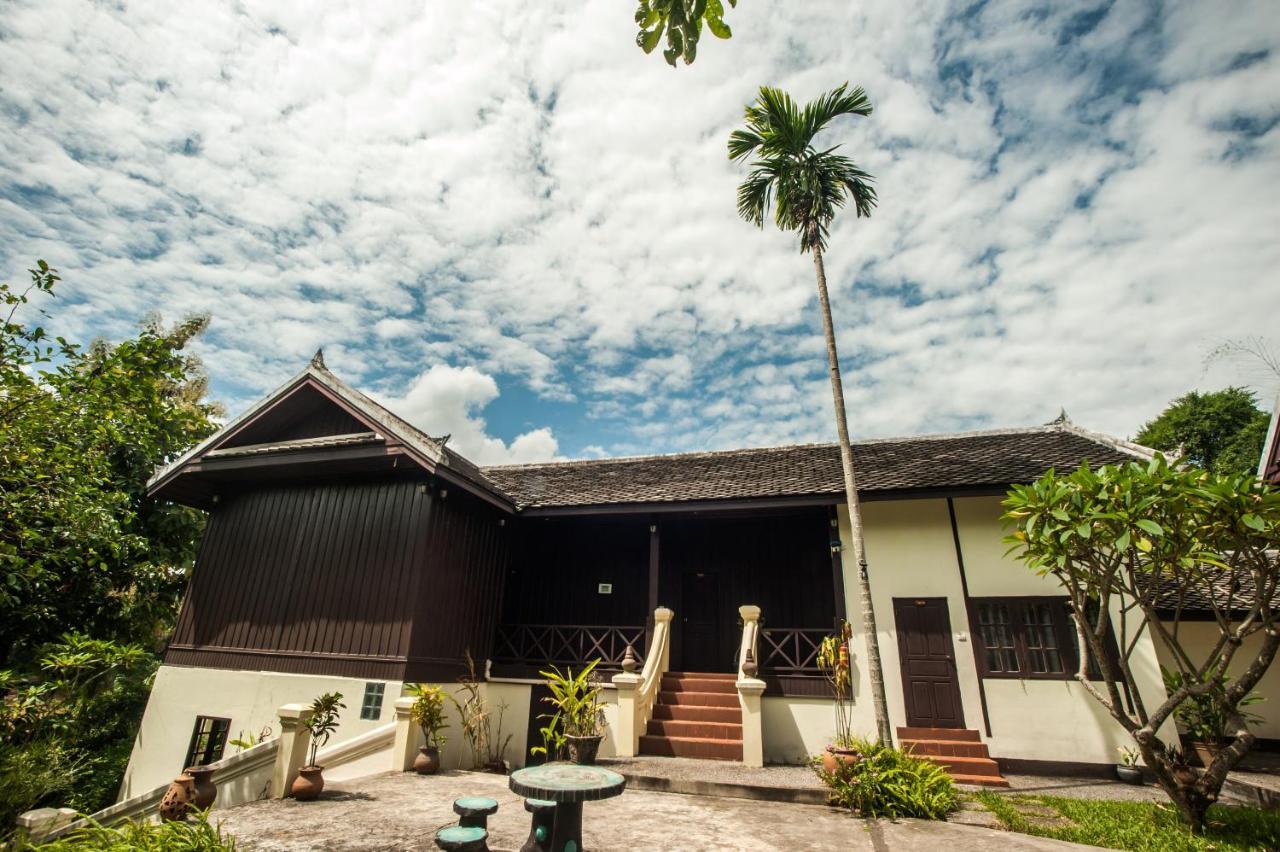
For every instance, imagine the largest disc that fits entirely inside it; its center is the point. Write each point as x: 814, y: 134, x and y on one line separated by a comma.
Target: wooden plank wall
x: 360, y: 579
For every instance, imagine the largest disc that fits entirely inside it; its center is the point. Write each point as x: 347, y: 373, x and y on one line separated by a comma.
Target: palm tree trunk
x: 874, y: 669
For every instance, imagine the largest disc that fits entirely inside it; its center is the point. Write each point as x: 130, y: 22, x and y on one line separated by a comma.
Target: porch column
x: 653, y: 583
x: 837, y: 565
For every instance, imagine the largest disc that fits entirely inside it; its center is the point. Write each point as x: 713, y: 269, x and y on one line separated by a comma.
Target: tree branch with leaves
x: 1138, y: 548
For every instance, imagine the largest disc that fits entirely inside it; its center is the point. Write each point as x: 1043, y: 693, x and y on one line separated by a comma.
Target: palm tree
x: 806, y: 187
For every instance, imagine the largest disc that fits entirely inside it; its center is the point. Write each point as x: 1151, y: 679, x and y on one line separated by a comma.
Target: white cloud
x: 1076, y: 202
x: 446, y: 400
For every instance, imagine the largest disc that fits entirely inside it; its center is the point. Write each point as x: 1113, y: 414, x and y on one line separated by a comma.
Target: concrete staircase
x: 697, y: 715
x: 960, y: 751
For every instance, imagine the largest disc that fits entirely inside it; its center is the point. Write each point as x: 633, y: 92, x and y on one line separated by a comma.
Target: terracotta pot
x: 1129, y: 774
x: 582, y: 750
x: 1206, y: 752
x: 206, y: 790
x: 177, y: 799
x: 428, y: 760
x: 307, y: 786
x: 834, y: 756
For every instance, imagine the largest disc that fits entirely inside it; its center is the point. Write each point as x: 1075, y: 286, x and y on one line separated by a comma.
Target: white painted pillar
x: 628, y: 733
x: 750, y: 689
x: 408, y: 736
x: 294, y: 740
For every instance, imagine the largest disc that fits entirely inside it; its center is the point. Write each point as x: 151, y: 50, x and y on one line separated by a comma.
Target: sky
x: 507, y: 223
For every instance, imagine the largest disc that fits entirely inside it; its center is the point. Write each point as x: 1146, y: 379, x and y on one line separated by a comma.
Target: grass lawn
x: 1139, y: 826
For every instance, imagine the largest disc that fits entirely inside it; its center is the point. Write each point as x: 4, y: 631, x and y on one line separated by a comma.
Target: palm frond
x: 805, y: 187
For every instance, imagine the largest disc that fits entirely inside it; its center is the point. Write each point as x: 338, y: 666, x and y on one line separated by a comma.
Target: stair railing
x: 637, y: 693
x: 750, y: 688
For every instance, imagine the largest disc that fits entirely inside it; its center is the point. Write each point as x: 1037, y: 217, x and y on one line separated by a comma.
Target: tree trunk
x: 874, y: 669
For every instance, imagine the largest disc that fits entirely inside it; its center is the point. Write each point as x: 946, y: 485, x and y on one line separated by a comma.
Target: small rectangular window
x: 997, y: 637
x: 1042, y: 639
x: 208, y: 739
x: 371, y: 707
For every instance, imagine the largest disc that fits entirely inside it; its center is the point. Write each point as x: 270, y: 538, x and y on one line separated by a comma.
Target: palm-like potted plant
x: 321, y: 723
x: 833, y: 662
x: 428, y: 713
x: 578, y: 723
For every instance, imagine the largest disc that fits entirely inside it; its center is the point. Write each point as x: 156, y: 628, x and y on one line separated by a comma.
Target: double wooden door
x: 927, y: 652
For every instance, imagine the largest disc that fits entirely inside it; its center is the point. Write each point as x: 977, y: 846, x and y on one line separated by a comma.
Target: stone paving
x: 401, y: 811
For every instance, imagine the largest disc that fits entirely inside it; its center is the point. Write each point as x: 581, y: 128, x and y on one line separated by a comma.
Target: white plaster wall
x: 515, y: 720
x: 1197, y: 639
x: 249, y: 699
x: 795, y: 728
x: 911, y: 553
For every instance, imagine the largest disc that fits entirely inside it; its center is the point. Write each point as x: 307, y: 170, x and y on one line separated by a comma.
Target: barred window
x: 1024, y: 637
x: 208, y: 739
x: 371, y: 707
x: 997, y: 638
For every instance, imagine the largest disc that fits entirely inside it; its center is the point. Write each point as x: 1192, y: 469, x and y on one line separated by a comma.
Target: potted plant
x: 833, y: 662
x: 428, y: 713
x: 1203, y: 718
x: 322, y: 722
x: 578, y: 723
x: 1127, y: 770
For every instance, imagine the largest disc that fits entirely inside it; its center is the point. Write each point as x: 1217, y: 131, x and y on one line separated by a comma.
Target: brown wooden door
x: 925, y: 647
x: 700, y: 624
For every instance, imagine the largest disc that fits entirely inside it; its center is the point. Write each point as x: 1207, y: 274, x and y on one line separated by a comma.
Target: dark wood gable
x: 305, y: 413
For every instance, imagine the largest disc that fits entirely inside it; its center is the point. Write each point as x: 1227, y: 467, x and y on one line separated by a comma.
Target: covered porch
x: 584, y: 585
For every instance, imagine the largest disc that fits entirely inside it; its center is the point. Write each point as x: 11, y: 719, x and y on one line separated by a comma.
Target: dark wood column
x: 653, y: 583
x: 837, y: 565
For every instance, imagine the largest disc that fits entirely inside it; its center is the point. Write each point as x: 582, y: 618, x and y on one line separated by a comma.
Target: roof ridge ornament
x: 1061, y: 420
x: 317, y: 360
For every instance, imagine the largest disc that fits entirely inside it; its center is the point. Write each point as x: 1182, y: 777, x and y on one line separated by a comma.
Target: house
x: 346, y: 549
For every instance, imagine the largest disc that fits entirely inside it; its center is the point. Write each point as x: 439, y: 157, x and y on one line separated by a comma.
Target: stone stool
x: 474, y: 811
x: 544, y: 814
x: 463, y: 838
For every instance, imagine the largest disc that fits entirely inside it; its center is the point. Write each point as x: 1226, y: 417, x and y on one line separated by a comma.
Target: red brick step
x: 691, y: 713
x: 699, y: 747
x: 704, y: 730
x: 699, y: 699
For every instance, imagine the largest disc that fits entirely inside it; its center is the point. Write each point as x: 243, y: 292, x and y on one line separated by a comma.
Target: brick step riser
x: 979, y: 780
x: 925, y: 748
x: 703, y: 749
x: 953, y: 734
x: 699, y: 699
x: 701, y: 675
x: 723, y: 687
x: 685, y: 713
x: 702, y: 730
x: 974, y: 766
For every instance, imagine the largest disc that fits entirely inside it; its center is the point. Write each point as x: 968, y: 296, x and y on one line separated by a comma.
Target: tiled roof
x: 323, y: 442
x: 1195, y: 598
x: 974, y: 459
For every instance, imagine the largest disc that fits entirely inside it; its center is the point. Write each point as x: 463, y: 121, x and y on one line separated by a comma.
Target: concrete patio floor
x: 400, y: 811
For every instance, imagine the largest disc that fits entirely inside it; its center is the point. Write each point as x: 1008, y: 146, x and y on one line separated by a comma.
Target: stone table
x: 568, y: 785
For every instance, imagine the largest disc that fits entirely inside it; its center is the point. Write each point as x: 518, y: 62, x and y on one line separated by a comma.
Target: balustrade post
x: 294, y: 740
x: 408, y: 736
x: 750, y: 690
x: 628, y: 724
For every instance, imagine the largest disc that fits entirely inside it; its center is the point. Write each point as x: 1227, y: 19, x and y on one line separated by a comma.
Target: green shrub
x: 33, y: 775
x: 887, y: 782
x: 197, y: 835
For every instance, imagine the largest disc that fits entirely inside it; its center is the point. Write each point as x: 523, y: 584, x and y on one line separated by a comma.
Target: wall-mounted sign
x: 605, y: 588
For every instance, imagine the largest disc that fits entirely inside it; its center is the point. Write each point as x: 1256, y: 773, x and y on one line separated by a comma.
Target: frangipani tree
x: 805, y: 187
x: 1135, y: 546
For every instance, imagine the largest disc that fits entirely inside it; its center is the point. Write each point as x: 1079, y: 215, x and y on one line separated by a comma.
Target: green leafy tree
x: 81, y: 430
x: 681, y: 21
x: 1222, y: 431
x: 806, y: 186
x: 1133, y: 546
